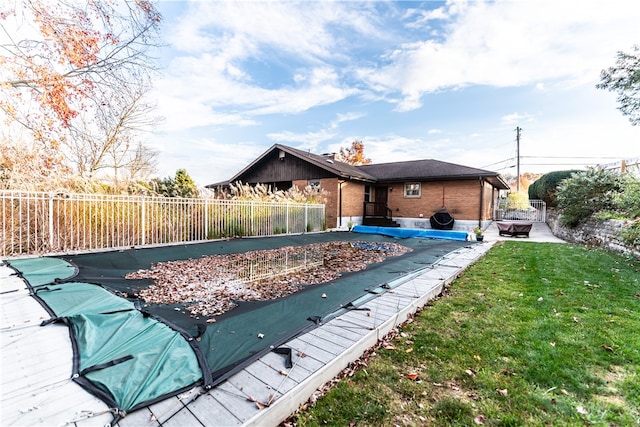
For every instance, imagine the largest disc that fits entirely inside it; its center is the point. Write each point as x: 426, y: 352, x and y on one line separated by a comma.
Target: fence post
x: 50, y: 221
x: 306, y: 218
x: 143, y: 216
x: 206, y: 219
x: 287, y: 219
x: 252, y: 219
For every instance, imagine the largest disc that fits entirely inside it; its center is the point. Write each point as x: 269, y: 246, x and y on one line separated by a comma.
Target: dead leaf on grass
x: 502, y: 391
x: 606, y: 347
x: 470, y: 372
x: 480, y: 419
x: 581, y: 410
x: 409, y: 350
x: 413, y: 376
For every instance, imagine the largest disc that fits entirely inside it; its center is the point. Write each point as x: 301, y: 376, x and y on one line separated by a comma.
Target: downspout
x: 481, y: 202
x: 340, y: 182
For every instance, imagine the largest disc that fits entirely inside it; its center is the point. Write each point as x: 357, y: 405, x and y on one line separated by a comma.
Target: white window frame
x: 315, y: 184
x: 409, y: 191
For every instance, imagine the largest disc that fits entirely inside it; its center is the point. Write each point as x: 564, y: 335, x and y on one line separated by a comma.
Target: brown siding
x: 289, y: 168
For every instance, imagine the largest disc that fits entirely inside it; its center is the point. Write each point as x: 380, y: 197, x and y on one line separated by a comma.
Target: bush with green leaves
x: 587, y: 192
x: 545, y: 187
x: 628, y: 202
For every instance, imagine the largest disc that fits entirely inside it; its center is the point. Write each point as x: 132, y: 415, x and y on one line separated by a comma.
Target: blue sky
x: 443, y: 80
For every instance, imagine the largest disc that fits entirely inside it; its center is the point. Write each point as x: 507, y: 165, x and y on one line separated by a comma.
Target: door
x: 380, y: 206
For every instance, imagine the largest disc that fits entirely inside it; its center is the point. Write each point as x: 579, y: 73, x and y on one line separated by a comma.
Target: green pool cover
x: 131, y: 354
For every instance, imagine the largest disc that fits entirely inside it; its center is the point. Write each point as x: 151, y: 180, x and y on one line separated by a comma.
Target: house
x: 402, y: 194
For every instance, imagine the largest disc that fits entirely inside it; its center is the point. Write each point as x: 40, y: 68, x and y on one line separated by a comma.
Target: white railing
x: 508, y: 210
x: 258, y: 265
x: 39, y: 223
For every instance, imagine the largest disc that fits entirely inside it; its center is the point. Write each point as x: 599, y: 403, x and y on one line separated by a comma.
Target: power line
x: 571, y: 157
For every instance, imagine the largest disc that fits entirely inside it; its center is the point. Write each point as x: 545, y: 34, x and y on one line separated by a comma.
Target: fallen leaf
x: 283, y: 372
x: 581, y: 410
x: 470, y: 372
x: 575, y: 319
x: 437, y: 384
x: 480, y: 419
x: 565, y: 392
x: 412, y: 376
x: 553, y: 344
x: 409, y: 350
x: 475, y: 356
x: 540, y: 299
x: 606, y: 347
x: 502, y: 391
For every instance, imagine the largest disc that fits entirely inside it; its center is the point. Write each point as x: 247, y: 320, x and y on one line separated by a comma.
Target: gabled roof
x: 341, y: 169
x: 430, y: 170
x: 415, y: 170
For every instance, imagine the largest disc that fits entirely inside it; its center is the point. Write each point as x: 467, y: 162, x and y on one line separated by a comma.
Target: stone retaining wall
x: 603, y: 234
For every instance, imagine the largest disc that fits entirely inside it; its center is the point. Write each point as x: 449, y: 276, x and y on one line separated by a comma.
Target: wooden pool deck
x: 36, y: 388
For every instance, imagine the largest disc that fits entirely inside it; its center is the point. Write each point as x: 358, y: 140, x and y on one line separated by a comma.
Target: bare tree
x: 106, y: 143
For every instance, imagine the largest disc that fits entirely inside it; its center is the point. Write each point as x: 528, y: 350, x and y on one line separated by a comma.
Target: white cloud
x: 507, y: 44
x: 517, y: 118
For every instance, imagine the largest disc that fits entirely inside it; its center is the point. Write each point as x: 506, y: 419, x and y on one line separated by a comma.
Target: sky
x: 449, y: 81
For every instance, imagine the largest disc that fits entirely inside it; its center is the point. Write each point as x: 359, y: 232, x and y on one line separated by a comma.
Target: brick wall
x: 461, y: 199
x: 602, y: 234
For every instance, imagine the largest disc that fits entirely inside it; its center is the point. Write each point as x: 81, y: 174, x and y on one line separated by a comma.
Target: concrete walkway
x: 540, y: 232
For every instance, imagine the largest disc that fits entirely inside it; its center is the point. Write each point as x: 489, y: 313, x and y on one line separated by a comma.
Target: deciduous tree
x: 354, y: 155
x: 62, y: 62
x: 624, y: 79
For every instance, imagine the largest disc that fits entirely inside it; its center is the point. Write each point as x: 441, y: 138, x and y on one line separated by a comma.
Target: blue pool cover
x: 405, y: 233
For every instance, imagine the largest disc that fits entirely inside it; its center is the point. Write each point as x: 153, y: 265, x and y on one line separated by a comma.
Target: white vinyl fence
x: 46, y: 223
x: 507, y: 210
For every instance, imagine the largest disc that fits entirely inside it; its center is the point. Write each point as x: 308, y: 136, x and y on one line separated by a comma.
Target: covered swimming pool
x: 131, y: 353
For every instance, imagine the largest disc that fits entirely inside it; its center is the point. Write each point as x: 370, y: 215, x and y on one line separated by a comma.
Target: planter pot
x: 479, y: 238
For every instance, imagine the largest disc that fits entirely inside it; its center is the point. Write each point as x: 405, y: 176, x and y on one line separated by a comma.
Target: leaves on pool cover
x: 212, y: 285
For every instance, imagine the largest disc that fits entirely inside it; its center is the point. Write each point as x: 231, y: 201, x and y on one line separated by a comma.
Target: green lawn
x: 532, y: 334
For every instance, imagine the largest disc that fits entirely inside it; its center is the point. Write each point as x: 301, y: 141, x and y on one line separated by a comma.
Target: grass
x: 532, y: 334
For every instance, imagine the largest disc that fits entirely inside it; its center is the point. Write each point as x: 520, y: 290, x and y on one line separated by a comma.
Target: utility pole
x: 518, y: 129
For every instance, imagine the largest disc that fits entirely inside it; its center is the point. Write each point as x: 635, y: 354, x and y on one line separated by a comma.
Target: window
x: 412, y: 189
x: 315, y: 185
x: 367, y: 193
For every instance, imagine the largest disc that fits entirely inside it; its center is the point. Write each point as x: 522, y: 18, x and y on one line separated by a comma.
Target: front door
x: 381, y: 201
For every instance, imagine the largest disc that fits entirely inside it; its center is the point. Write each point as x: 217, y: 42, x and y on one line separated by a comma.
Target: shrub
x: 631, y: 235
x: 628, y: 201
x: 587, y: 192
x: 545, y: 187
